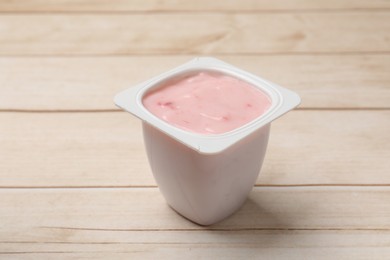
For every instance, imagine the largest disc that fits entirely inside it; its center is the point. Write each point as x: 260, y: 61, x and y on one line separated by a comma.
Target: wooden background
x: 74, y: 179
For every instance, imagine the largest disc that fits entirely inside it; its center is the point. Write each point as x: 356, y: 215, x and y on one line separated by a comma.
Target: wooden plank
x: 208, y: 245
x: 196, y: 252
x: 59, y: 214
x: 123, y: 223
x: 230, y: 33
x: 176, y: 5
x: 106, y: 149
x: 74, y: 83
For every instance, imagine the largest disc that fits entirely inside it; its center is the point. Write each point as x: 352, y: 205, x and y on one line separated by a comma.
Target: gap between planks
x: 202, y: 5
x: 119, y: 110
x: 345, y: 185
x: 216, y: 229
x: 195, y: 54
x: 184, y: 11
x: 197, y: 229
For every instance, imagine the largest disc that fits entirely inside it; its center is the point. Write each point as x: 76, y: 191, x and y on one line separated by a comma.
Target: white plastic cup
x: 206, y: 178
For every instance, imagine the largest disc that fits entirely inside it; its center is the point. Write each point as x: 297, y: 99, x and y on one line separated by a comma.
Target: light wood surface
x: 200, y: 33
x: 74, y: 178
x: 89, y: 83
x: 275, y: 222
x: 106, y: 149
x: 189, y: 6
x: 295, y: 208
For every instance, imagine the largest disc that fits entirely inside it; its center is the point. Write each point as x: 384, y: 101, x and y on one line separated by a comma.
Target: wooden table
x: 74, y: 178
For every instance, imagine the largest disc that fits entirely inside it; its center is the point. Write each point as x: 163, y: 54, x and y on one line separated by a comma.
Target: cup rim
x: 282, y: 101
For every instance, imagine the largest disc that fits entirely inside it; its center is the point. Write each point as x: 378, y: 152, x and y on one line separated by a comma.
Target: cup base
x: 205, y: 188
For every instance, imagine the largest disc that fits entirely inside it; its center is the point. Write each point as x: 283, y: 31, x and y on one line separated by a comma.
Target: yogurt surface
x: 207, y: 103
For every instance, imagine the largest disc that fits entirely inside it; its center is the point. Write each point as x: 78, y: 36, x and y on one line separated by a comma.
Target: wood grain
x: 68, y: 211
x: 164, y: 251
x: 177, y: 5
x: 194, y: 33
x: 123, y: 223
x: 74, y: 83
x: 206, y: 245
x: 74, y: 179
x: 106, y: 149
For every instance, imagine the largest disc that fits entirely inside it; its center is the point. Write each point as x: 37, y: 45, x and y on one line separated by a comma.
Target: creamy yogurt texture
x: 207, y: 103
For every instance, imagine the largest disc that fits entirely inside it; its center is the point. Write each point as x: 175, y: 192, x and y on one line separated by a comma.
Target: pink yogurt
x: 207, y: 103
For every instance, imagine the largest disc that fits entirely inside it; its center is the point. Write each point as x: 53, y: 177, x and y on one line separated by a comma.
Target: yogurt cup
x: 206, y: 178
